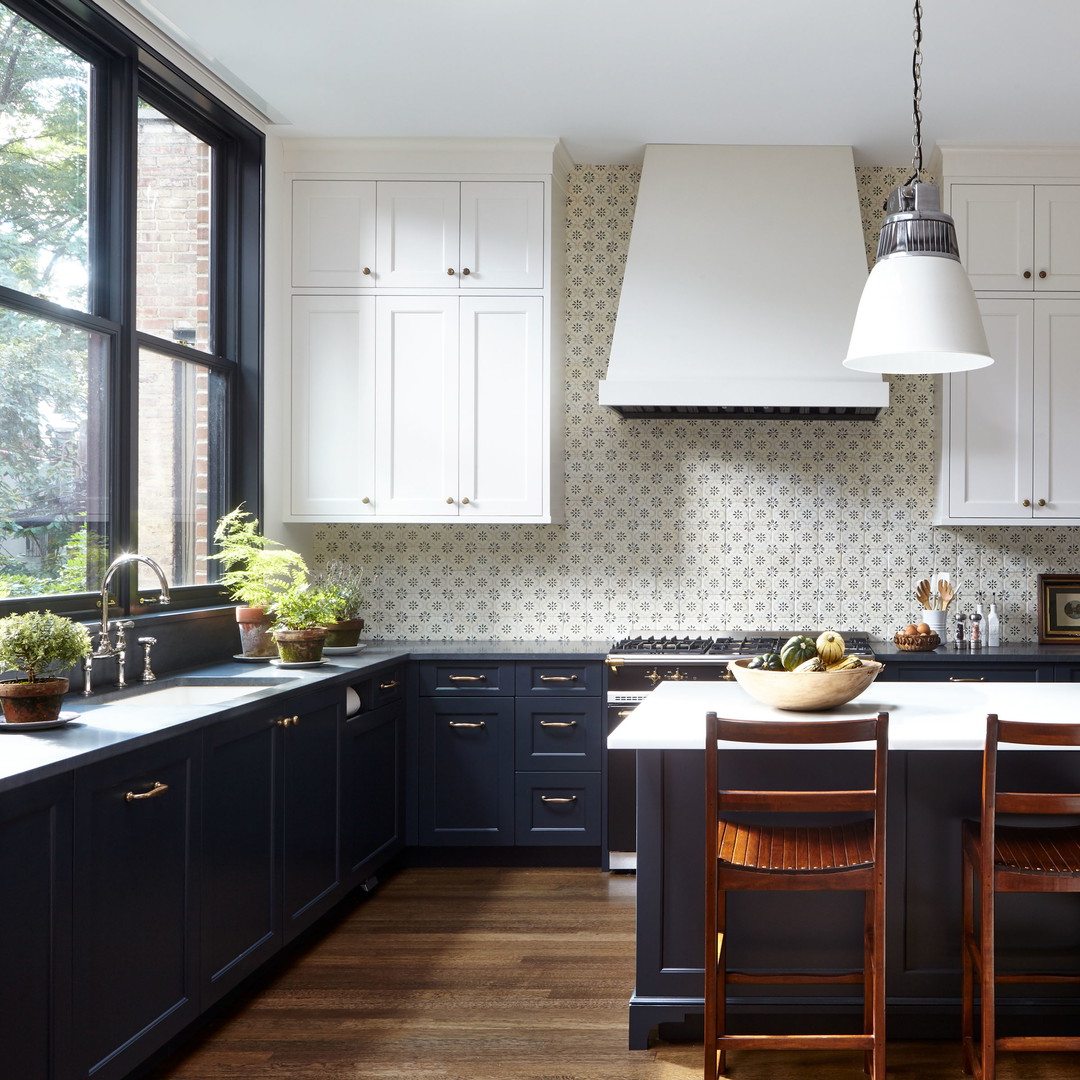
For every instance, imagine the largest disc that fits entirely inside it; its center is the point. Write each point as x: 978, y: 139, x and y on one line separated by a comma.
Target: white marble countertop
x: 922, y: 716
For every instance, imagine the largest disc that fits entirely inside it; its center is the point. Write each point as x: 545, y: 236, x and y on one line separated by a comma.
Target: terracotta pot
x: 254, y: 624
x: 32, y: 702
x: 300, y: 646
x: 344, y: 634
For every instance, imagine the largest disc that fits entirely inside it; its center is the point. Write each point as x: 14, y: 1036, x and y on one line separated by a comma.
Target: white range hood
x: 744, y: 272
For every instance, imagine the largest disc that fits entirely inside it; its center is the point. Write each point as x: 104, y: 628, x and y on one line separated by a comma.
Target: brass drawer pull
x: 558, y: 723
x: 558, y: 798
x: 158, y: 789
x: 469, y: 723
x: 467, y: 678
x: 558, y: 678
x: 289, y: 721
x: 391, y: 685
x: 956, y: 678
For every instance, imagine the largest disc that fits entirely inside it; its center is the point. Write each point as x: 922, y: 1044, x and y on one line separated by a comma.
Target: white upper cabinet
x: 502, y: 235
x: 1056, y: 383
x: 1019, y: 237
x: 333, y: 233
x: 418, y: 235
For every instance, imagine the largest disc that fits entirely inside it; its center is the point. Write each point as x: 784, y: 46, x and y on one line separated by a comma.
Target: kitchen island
x: 936, y: 734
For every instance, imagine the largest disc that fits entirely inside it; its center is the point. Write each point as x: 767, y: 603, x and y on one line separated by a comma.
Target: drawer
x: 466, y: 677
x: 557, y: 733
x: 387, y: 686
x: 548, y: 677
x: 558, y: 809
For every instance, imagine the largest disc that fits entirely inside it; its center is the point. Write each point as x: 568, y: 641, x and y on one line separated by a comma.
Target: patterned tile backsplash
x: 698, y: 526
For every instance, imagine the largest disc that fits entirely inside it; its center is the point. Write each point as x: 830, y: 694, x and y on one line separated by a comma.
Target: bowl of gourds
x: 807, y: 675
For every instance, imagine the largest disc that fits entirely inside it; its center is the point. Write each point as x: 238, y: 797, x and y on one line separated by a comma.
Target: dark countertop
x: 1022, y: 652
x: 103, y: 728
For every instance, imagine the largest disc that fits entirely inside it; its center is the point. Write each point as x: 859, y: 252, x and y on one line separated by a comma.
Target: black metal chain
x: 916, y: 104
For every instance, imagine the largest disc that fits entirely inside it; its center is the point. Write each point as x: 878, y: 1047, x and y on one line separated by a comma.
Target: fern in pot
x: 256, y: 571
x: 344, y: 583
x: 38, y: 643
x: 301, y: 615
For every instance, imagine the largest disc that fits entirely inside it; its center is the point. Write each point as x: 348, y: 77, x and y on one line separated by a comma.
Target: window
x: 130, y: 242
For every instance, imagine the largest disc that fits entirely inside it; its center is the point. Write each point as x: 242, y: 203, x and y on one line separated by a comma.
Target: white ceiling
x: 609, y: 76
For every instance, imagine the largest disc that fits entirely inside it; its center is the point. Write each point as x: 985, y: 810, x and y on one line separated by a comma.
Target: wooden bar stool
x: 811, y: 856
x: 1012, y: 858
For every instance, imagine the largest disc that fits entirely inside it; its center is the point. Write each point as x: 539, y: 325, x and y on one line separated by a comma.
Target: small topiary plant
x: 40, y: 644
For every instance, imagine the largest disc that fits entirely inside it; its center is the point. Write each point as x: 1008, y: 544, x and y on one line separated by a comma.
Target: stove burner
x: 752, y: 645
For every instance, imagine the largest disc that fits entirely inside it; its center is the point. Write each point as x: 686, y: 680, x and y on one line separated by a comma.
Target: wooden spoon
x: 922, y: 593
x: 946, y: 592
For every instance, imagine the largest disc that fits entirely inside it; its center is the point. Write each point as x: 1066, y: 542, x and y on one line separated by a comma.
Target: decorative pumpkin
x: 845, y: 663
x: 830, y: 647
x: 815, y: 663
x: 769, y: 661
x: 797, y: 650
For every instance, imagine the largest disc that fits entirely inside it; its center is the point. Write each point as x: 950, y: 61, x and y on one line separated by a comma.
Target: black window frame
x: 124, y: 71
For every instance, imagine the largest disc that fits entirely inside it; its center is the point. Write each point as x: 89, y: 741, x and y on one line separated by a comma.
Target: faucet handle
x: 122, y: 627
x: 147, y: 643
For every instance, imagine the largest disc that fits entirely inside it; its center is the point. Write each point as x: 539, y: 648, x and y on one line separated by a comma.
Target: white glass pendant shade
x: 918, y: 315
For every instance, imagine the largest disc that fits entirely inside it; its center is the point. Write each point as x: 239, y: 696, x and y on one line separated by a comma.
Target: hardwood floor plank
x: 497, y: 974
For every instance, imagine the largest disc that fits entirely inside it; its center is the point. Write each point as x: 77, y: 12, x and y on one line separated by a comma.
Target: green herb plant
x: 256, y: 570
x: 304, y: 608
x: 344, y: 583
x: 40, y: 644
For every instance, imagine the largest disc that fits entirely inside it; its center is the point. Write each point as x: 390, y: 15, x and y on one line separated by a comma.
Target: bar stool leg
x: 967, y: 939
x: 987, y: 1000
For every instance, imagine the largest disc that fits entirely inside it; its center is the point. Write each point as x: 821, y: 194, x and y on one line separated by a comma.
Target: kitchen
x: 684, y: 525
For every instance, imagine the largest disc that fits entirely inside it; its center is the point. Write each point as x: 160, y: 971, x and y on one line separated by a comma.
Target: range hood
x: 745, y: 269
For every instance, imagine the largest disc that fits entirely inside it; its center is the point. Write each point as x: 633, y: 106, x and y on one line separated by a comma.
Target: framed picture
x: 1059, y: 608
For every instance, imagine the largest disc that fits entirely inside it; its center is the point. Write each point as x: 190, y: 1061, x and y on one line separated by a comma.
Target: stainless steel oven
x: 636, y: 666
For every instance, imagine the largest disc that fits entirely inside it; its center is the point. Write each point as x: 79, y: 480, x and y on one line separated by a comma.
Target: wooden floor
x: 496, y: 974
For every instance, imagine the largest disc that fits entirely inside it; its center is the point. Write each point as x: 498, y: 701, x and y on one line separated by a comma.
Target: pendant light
x: 918, y: 313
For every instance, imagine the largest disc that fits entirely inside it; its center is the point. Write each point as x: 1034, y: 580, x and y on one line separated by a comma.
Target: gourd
x: 815, y: 663
x: 796, y: 650
x: 830, y: 647
x: 769, y: 661
x: 845, y: 663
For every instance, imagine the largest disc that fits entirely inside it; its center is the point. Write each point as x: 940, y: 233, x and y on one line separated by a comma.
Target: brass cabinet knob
x: 450, y: 271
x: 1042, y: 502
x: 1027, y: 273
x: 465, y: 271
x: 365, y: 500
x: 1042, y: 273
x: 449, y: 500
x: 367, y: 270
x: 465, y: 501
x: 1026, y: 502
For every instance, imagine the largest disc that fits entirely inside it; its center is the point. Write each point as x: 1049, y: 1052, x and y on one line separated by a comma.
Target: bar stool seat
x: 1011, y: 859
x: 762, y: 856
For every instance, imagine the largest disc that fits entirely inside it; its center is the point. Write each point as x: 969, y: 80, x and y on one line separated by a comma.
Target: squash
x: 830, y: 647
x: 845, y: 663
x: 815, y: 663
x: 796, y: 650
x: 768, y: 661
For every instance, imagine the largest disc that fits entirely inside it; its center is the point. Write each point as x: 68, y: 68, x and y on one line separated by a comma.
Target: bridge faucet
x: 105, y: 646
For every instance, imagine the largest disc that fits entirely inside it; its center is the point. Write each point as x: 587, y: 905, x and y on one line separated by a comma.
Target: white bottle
x: 993, y: 623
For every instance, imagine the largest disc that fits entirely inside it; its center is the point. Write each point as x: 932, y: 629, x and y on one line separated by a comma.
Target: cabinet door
x: 995, y: 231
x: 373, y: 791
x: 502, y: 235
x: 310, y: 857
x: 990, y: 421
x: 504, y: 414
x: 417, y: 406
x: 466, y: 771
x: 241, y: 903
x: 136, y: 967
x: 333, y: 233
x: 35, y: 935
x: 418, y: 230
x: 1057, y: 391
x: 333, y: 407
x: 1057, y: 238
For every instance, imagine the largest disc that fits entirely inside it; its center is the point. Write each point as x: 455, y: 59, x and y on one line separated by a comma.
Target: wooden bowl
x: 917, y: 642
x: 804, y: 691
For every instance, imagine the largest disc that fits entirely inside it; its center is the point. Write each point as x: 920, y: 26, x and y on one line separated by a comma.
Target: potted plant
x: 300, y: 618
x: 38, y: 643
x: 344, y: 583
x: 256, y: 571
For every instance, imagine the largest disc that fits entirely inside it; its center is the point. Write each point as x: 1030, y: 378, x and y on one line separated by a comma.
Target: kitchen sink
x: 191, y: 690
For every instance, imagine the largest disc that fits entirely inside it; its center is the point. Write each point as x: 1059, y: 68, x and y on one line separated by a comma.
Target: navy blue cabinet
x: 134, y: 903
x: 311, y: 813
x: 35, y: 933
x: 241, y: 893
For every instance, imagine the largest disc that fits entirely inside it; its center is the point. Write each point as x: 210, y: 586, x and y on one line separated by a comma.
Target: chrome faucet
x: 105, y: 646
